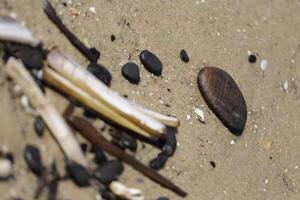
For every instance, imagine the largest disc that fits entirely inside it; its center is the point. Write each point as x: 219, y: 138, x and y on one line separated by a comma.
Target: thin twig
x: 93, y: 56
x: 90, y: 133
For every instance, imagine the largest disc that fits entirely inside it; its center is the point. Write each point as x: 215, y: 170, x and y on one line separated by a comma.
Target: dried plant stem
x: 60, y: 130
x: 90, y: 133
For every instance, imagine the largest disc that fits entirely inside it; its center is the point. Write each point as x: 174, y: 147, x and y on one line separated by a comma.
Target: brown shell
x: 224, y: 97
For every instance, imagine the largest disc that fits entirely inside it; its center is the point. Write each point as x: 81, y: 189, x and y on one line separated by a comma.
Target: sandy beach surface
x: 261, y: 164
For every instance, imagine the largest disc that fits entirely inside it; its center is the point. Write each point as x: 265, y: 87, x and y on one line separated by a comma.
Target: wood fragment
x: 93, y: 56
x: 90, y: 133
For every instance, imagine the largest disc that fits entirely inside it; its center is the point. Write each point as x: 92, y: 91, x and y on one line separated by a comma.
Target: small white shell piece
x: 125, y: 192
x: 200, y: 114
x: 11, y: 30
x: 6, y: 168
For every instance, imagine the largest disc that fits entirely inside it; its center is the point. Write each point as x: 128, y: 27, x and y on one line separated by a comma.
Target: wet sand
x: 261, y: 164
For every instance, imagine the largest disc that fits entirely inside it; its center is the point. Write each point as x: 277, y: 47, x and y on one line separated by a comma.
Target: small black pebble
x: 100, y: 156
x: 10, y: 157
x: 163, y: 198
x: 129, y: 142
x: 184, y: 56
x: 39, y: 126
x: 159, y: 162
x: 78, y: 173
x: 252, y: 58
x: 90, y: 113
x: 170, y: 142
x: 213, y: 164
x: 112, y: 38
x: 151, y: 62
x: 84, y: 147
x: 32, y: 58
x: 131, y: 72
x: 96, y: 53
x: 100, y: 72
x: 106, y: 194
x: 33, y: 159
x: 109, y: 171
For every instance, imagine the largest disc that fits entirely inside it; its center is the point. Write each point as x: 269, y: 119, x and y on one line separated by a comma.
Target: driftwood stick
x: 51, y: 13
x: 90, y: 133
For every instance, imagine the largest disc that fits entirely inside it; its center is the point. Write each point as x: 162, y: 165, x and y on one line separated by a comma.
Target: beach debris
x: 170, y: 142
x: 162, y: 198
x: 24, y: 102
x: 39, y: 126
x: 112, y: 38
x: 92, y: 9
x: 213, y: 164
x: 264, y: 66
x: 285, y: 85
x: 224, y: 97
x: 252, y: 58
x: 151, y: 62
x: 159, y: 161
x: 32, y: 57
x: 184, y: 56
x: 11, y: 30
x: 62, y: 133
x: 109, y: 171
x: 200, y: 114
x: 124, y: 140
x: 99, y: 156
x: 131, y: 72
x: 91, y: 134
x: 125, y: 192
x: 78, y: 173
x: 232, y: 142
x: 111, y: 102
x: 100, y: 72
x: 91, y: 54
x: 6, y: 168
x: 166, y: 120
x: 33, y: 160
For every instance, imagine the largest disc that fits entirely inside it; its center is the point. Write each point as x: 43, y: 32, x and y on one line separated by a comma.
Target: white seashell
x: 6, y: 168
x: 264, y: 65
x: 200, y: 114
x: 11, y: 30
x: 125, y: 192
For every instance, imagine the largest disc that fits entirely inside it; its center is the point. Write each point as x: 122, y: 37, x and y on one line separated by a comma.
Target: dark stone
x: 10, y: 157
x: 33, y: 160
x: 109, y: 171
x: 32, y: 57
x: 39, y: 126
x: 106, y: 194
x: 9, y: 50
x: 100, y: 156
x: 213, y: 164
x: 112, y: 38
x: 131, y: 72
x: 95, y: 52
x: 163, y: 198
x: 184, y: 56
x: 224, y: 97
x: 170, y: 142
x: 159, y: 162
x: 90, y: 113
x: 100, y: 72
x: 84, y: 147
x: 252, y: 58
x: 78, y: 173
x: 151, y: 62
x: 123, y: 139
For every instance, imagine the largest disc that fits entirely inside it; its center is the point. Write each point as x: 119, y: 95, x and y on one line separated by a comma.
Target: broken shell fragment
x: 224, y: 97
x: 125, y: 192
x: 6, y: 168
x: 87, y: 82
x: 60, y: 130
x: 11, y: 30
x: 200, y: 114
